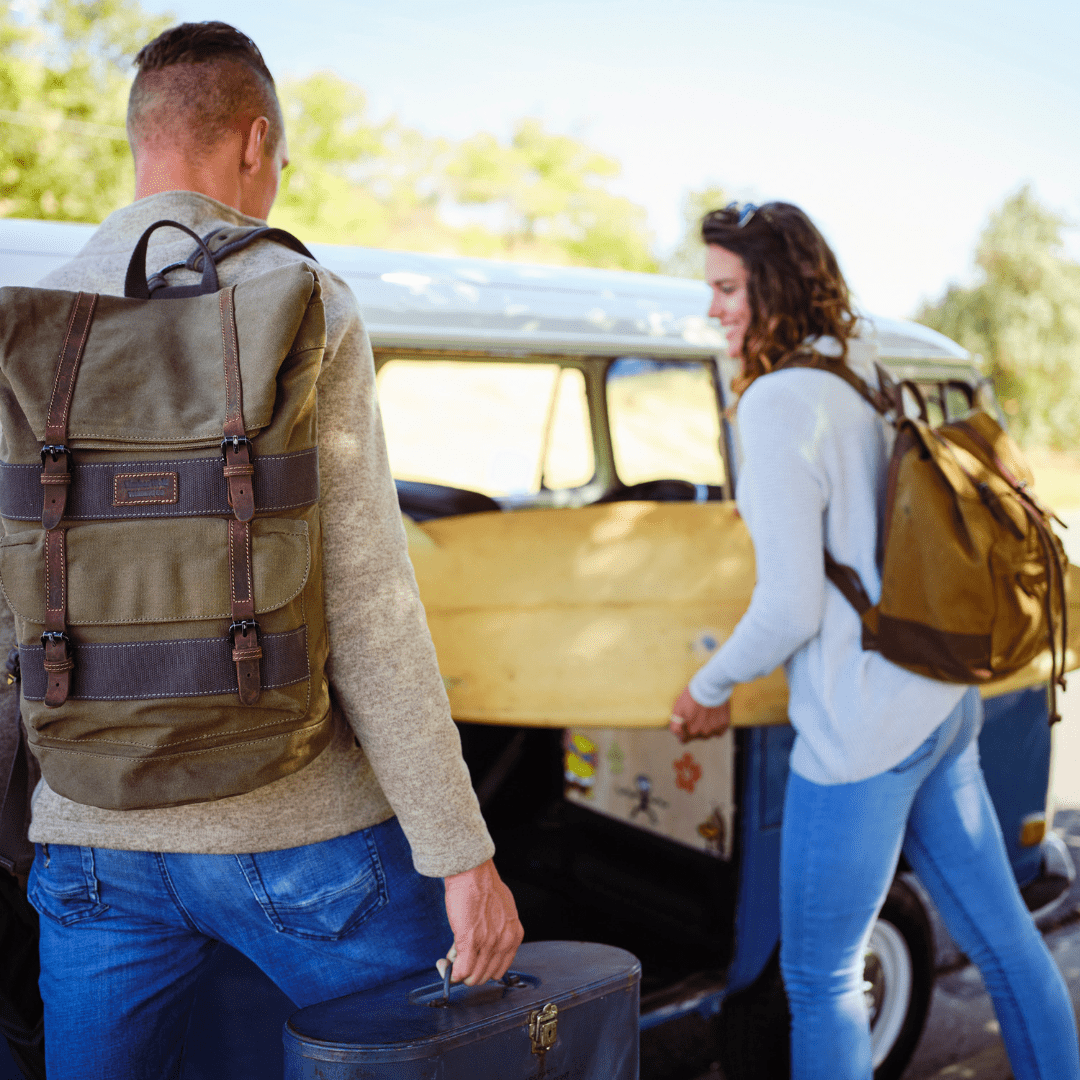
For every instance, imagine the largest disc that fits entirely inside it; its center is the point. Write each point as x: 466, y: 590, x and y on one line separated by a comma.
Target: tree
x: 63, y: 96
x: 64, y: 78
x: 1023, y: 317
x: 545, y: 198
x: 687, y: 259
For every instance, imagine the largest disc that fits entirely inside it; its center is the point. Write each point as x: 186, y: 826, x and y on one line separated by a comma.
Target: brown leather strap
x: 58, y: 662
x: 847, y: 580
x: 244, y: 630
x: 1055, y: 578
x: 235, y: 446
x: 876, y: 398
x: 239, y: 472
x: 55, y: 474
x: 1019, y: 486
x: 56, y: 477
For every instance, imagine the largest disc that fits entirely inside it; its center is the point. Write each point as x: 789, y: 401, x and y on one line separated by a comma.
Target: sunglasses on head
x: 742, y: 214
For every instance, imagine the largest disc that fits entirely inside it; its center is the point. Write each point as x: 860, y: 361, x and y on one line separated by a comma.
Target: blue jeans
x: 839, y: 850
x: 125, y: 935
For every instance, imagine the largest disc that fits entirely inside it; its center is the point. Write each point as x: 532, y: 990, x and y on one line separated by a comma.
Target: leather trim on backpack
x: 56, y: 477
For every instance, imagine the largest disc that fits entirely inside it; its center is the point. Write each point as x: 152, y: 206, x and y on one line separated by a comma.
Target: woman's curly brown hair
x: 795, y: 287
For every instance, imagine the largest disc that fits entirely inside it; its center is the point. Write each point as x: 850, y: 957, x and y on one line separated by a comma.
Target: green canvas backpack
x: 159, y: 489
x: 973, y: 579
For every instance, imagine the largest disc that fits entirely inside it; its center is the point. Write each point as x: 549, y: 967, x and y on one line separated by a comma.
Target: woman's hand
x: 689, y: 720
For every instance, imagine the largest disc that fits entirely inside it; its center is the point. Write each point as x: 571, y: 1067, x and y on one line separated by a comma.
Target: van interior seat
x: 422, y: 502
x: 664, y: 491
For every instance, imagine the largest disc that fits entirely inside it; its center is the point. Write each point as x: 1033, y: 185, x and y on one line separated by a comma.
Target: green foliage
x: 352, y: 180
x: 545, y: 191
x: 688, y: 257
x: 539, y: 196
x: 63, y: 96
x: 64, y: 78
x: 1023, y: 317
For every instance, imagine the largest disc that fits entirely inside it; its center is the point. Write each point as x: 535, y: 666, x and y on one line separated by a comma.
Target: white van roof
x: 416, y: 301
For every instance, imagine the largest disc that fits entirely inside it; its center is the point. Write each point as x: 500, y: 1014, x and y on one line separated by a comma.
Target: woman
x: 884, y: 760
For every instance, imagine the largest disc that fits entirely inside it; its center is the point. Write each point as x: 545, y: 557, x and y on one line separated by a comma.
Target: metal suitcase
x: 567, y: 1010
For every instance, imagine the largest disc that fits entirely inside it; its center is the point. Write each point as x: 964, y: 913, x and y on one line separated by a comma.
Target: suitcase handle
x: 441, y: 995
x: 511, y: 978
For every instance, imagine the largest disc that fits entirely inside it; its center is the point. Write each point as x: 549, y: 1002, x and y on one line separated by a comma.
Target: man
x: 325, y: 878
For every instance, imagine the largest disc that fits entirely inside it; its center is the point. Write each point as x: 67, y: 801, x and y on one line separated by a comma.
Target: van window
x: 497, y: 427
x: 665, y: 422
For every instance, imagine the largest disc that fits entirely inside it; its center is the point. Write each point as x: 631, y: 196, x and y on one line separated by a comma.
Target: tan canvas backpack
x: 972, y: 576
x: 159, y: 489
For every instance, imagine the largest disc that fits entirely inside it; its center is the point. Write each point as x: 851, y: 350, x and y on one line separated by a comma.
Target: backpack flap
x: 135, y: 381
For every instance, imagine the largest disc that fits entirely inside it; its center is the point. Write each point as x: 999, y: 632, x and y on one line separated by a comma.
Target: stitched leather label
x: 142, y: 489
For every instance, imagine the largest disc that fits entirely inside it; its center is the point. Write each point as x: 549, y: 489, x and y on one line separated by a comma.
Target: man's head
x: 203, y: 115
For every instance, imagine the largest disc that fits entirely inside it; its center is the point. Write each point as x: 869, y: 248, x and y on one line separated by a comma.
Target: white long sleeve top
x: 814, y: 459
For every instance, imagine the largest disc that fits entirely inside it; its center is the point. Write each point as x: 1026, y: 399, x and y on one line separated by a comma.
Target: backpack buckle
x: 54, y: 452
x: 243, y: 626
x: 233, y: 443
x: 56, y: 637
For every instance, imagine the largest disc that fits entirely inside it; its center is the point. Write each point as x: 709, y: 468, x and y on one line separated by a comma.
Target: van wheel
x: 899, y: 980
x: 753, y: 1026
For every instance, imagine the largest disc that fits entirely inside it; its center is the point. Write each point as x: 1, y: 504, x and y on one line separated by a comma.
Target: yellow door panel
x: 598, y: 616
x: 589, y: 617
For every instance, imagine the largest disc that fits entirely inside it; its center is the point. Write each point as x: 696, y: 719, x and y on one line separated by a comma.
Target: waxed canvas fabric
x: 972, y: 576
x: 150, y: 391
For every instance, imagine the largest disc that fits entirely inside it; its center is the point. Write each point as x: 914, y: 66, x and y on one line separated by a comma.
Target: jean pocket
x: 322, y: 891
x: 63, y: 885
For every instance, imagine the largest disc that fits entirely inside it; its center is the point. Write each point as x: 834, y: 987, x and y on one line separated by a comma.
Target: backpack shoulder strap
x: 879, y: 399
x: 846, y: 578
x: 225, y: 241
x: 222, y: 243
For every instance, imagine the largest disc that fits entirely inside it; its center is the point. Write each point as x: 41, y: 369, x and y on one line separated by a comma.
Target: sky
x: 898, y: 126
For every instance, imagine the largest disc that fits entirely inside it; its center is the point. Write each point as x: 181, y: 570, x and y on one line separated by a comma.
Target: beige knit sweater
x: 405, y: 758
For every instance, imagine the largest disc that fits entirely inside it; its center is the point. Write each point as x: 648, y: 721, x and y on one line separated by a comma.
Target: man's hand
x: 483, y: 916
x: 689, y: 720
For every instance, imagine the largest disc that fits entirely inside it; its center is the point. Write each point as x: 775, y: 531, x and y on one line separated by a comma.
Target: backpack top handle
x: 136, y: 285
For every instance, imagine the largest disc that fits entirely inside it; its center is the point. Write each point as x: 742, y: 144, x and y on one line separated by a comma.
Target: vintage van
x: 565, y: 460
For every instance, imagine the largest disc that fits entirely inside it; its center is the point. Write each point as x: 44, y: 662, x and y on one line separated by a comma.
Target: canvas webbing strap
x: 239, y: 476
x: 55, y: 478
x: 57, y: 647
x: 141, y: 670
x: 179, y: 488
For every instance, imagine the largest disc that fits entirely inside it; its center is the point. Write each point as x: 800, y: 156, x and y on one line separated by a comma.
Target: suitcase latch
x: 543, y: 1026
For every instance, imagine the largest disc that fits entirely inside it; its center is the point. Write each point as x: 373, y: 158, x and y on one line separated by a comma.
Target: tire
x: 753, y: 1028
